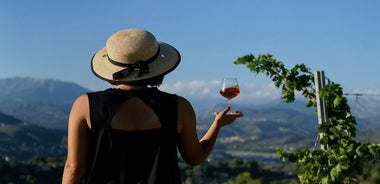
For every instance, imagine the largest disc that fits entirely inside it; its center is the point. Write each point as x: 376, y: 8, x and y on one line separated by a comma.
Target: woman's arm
x: 193, y: 150
x: 77, y: 144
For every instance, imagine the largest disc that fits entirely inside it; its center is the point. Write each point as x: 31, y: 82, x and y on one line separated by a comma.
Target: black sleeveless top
x: 136, y: 156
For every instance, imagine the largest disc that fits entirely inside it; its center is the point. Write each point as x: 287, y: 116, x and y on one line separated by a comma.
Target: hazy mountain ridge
x: 45, y: 102
x: 31, y: 108
x: 265, y: 128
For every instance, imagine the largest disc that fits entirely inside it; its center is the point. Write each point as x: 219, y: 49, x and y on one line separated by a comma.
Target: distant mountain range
x: 34, y: 113
x: 44, y: 102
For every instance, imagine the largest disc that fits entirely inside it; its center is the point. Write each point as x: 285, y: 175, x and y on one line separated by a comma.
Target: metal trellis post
x: 319, y: 80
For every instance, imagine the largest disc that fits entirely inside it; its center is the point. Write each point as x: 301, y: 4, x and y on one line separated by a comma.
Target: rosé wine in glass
x: 230, y: 89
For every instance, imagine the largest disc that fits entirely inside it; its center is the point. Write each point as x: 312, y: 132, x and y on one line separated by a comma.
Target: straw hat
x: 133, y: 55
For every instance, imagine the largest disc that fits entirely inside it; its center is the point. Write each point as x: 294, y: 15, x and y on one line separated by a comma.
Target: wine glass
x: 230, y: 89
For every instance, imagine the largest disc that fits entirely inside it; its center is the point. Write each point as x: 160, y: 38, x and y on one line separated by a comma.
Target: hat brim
x: 166, y: 62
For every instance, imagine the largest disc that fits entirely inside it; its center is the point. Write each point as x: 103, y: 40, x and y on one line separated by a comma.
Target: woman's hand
x: 226, y: 117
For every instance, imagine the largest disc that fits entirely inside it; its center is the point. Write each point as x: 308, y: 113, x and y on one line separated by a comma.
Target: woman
x: 130, y: 134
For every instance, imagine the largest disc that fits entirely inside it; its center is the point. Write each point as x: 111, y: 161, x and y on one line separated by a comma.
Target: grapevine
x: 342, y: 160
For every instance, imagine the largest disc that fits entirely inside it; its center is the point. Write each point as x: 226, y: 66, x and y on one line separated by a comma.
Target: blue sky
x: 56, y: 39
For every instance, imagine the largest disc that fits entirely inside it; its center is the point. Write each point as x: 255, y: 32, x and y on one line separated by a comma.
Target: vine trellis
x: 343, y: 160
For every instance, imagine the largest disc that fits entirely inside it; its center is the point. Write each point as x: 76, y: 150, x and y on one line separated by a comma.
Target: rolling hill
x: 22, y: 140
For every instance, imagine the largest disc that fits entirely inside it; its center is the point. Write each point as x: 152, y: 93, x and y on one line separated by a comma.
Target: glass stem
x: 229, y: 105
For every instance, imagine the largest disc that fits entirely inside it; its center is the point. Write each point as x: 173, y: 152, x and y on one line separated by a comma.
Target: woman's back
x: 134, y: 137
x: 134, y: 114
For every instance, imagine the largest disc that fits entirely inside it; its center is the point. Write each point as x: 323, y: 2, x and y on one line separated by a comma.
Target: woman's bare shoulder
x: 185, y: 109
x: 184, y: 104
x: 183, y: 100
x: 81, y: 100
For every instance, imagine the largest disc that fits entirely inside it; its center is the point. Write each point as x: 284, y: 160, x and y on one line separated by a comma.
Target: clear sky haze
x: 56, y: 39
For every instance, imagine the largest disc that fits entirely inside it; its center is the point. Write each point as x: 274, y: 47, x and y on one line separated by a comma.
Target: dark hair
x: 155, y: 81
x: 152, y: 82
